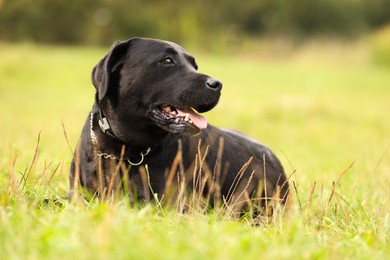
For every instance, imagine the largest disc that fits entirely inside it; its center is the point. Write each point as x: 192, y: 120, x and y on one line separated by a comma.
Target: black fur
x: 133, y: 81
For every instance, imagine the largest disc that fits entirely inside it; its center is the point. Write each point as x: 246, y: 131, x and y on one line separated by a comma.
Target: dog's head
x: 149, y: 87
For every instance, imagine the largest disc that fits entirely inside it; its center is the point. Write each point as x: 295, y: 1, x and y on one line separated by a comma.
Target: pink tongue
x: 198, y: 120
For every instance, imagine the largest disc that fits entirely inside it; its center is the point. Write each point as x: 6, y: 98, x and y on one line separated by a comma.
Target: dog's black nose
x: 214, y: 84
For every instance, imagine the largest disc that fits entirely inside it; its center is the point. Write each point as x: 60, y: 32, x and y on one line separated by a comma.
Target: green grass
x: 323, y: 109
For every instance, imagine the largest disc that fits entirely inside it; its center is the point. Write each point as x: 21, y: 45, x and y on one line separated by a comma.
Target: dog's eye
x: 167, y: 61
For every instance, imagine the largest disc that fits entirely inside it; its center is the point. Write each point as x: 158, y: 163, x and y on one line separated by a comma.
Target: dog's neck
x: 105, y: 126
x: 118, y: 150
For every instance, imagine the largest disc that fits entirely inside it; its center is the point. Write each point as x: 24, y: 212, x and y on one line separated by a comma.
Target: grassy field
x: 323, y: 109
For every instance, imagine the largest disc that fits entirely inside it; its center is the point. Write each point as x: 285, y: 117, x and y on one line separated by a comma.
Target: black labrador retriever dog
x: 145, y: 128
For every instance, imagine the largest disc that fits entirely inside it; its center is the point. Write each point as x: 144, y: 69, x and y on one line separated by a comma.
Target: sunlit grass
x: 323, y: 110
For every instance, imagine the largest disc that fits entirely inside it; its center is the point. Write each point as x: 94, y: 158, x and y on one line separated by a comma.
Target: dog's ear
x: 103, y: 71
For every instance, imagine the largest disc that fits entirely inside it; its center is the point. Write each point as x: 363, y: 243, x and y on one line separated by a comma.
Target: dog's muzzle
x: 178, y: 120
x: 185, y: 119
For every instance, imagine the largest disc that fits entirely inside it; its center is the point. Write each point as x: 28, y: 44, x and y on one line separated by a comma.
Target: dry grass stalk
x: 297, y: 194
x: 265, y: 182
x: 115, y: 173
x: 145, y: 185
x: 12, y: 183
x: 76, y: 180
x: 66, y: 137
x: 311, y: 194
x: 127, y: 188
x: 168, y: 192
x: 237, y: 201
x: 27, y: 173
x: 217, y: 173
x: 237, y: 180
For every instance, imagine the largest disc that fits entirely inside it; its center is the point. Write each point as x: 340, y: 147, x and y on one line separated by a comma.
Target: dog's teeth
x: 166, y: 109
x: 187, y: 117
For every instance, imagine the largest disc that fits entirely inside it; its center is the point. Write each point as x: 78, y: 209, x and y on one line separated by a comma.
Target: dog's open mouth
x: 187, y: 114
x: 178, y: 120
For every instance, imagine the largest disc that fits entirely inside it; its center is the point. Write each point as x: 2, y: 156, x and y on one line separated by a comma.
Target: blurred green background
x: 207, y: 23
x: 218, y: 26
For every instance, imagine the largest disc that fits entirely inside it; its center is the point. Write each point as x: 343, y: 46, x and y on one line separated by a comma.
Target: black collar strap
x: 104, y: 123
x: 105, y: 126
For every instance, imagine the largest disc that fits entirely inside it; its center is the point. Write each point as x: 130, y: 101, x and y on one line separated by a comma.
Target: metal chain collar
x: 109, y: 156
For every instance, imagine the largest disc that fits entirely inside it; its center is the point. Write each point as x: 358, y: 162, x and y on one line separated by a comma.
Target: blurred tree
x: 199, y: 22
